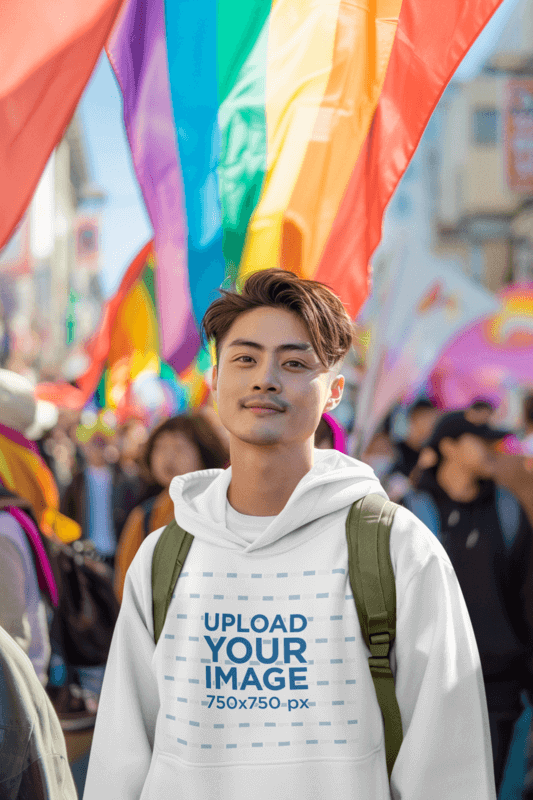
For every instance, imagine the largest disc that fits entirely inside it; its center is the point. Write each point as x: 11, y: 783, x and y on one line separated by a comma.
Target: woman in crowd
x: 181, y: 444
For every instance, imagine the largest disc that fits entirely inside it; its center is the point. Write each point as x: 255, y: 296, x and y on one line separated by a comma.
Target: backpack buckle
x: 380, y: 664
x: 380, y: 638
x: 380, y: 646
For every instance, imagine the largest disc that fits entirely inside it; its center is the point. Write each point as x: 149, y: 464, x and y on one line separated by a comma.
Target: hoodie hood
x: 333, y: 483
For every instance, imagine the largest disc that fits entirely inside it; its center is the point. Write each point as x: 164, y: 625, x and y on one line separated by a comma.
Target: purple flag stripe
x: 137, y: 51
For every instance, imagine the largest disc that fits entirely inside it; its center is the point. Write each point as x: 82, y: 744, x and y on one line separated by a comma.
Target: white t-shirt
x: 246, y: 526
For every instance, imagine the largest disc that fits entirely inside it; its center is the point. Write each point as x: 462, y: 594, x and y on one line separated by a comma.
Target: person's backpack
x: 368, y: 528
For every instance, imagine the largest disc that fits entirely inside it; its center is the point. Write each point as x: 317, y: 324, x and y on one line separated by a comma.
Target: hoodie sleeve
x: 124, y: 733
x: 446, y: 752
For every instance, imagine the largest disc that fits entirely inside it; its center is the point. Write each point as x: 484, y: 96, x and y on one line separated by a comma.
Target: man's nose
x: 267, y: 377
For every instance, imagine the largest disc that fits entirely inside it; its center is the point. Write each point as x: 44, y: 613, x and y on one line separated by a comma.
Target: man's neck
x: 459, y: 485
x: 264, y: 478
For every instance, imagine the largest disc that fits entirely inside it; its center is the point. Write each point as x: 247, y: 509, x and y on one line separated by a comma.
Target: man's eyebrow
x: 301, y: 346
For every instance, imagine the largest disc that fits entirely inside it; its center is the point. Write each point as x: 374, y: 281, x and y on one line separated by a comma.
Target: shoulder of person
x: 8, y: 523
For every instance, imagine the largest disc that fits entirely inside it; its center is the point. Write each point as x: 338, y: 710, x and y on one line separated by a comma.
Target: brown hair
x: 330, y: 329
x: 199, y: 431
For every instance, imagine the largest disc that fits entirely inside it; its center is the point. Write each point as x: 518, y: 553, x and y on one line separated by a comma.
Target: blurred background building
x: 50, y: 294
x: 484, y: 214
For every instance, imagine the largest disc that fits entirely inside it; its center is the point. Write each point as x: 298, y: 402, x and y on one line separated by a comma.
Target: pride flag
x: 48, y: 51
x: 124, y: 354
x: 272, y: 133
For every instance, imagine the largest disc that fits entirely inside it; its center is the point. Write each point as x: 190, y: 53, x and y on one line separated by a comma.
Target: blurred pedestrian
x: 26, y: 487
x: 481, y: 411
x: 379, y: 453
x: 421, y: 417
x: 489, y: 541
x: 33, y: 755
x: 181, y: 444
x: 100, y: 495
x: 30, y: 597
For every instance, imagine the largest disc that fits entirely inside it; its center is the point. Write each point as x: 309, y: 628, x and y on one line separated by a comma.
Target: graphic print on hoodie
x: 259, y: 653
x: 260, y: 685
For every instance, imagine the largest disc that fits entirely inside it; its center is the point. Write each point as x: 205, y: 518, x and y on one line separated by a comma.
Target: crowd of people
x: 454, y: 472
x: 450, y: 469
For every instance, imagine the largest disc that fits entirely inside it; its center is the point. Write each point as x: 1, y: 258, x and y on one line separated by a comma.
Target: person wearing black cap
x: 488, y: 539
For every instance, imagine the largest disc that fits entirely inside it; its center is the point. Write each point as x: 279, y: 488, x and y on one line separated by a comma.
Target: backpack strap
x: 169, y: 557
x: 368, y: 528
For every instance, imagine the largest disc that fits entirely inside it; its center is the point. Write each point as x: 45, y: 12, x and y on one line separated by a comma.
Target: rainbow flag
x: 272, y: 133
x: 126, y: 348
x: 48, y: 52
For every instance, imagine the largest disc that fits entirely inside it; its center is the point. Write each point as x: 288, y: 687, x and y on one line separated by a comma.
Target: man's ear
x: 214, y: 379
x: 335, y: 393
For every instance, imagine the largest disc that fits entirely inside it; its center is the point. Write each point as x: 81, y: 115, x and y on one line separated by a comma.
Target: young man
x: 259, y: 686
x: 458, y: 500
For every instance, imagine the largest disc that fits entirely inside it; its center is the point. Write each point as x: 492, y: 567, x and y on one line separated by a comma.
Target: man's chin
x: 259, y: 437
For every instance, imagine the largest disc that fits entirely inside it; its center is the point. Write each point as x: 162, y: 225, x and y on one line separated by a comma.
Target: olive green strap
x: 372, y: 579
x: 169, y: 556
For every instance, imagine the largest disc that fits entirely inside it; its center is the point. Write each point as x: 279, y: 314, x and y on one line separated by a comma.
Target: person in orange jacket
x: 181, y: 444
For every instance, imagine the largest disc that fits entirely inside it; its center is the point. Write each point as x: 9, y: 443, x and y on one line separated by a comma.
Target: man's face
x: 95, y: 451
x: 421, y: 424
x: 473, y: 454
x: 256, y: 365
x: 480, y: 415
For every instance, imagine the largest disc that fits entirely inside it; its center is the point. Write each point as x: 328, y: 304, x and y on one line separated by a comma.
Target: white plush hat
x: 20, y: 410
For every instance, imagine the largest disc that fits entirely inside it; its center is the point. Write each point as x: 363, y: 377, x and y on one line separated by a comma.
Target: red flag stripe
x: 48, y: 52
x: 430, y: 42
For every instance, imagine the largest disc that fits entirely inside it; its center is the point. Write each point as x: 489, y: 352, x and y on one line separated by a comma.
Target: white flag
x: 424, y: 304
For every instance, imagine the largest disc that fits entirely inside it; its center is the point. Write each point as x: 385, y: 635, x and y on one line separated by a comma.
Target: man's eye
x: 298, y: 363
x: 239, y: 358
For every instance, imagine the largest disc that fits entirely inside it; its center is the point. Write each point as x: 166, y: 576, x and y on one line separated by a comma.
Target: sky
x: 126, y: 226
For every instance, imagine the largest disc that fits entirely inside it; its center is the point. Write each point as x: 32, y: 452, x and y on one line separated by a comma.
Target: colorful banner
x: 48, y: 52
x: 272, y: 134
x: 425, y: 304
x: 491, y: 358
x: 24, y: 472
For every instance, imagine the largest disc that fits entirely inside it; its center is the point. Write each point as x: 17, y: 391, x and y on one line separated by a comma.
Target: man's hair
x: 480, y: 404
x: 423, y: 404
x: 330, y: 329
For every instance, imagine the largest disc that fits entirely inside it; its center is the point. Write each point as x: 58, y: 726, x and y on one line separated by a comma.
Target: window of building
x: 486, y: 124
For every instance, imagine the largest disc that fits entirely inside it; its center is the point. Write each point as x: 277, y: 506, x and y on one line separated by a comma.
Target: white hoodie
x: 259, y: 687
